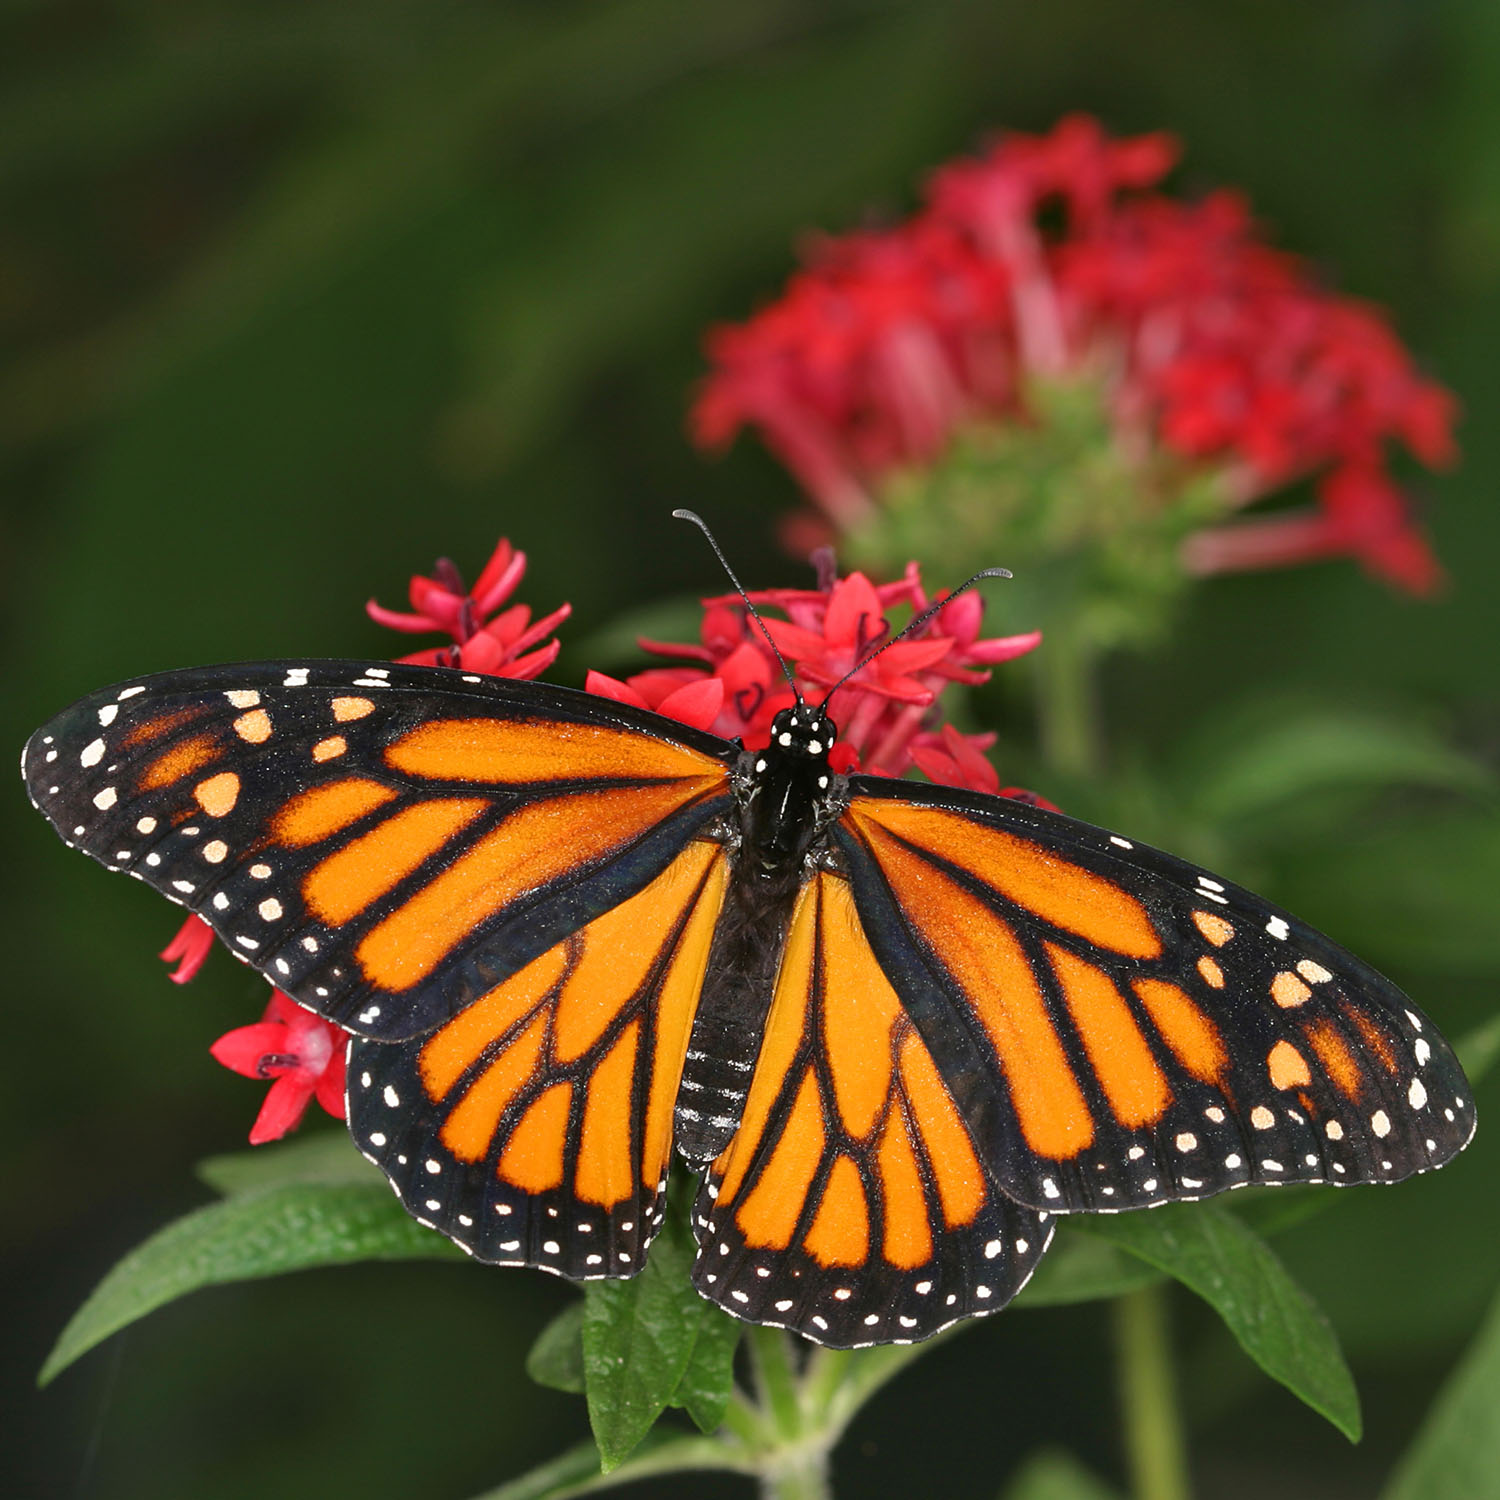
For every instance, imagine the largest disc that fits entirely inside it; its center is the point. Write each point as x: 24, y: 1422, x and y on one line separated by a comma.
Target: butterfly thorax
x: 786, y: 795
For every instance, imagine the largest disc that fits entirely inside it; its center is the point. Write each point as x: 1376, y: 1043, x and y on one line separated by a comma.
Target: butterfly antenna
x: 702, y: 525
x: 915, y: 624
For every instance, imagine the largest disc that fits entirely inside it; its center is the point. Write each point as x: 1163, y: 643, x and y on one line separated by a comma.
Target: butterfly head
x: 804, y: 730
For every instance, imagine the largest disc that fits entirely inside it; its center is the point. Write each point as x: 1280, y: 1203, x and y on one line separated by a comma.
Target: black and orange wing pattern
x: 535, y: 1128
x: 1119, y: 1028
x: 385, y: 844
x: 851, y: 1205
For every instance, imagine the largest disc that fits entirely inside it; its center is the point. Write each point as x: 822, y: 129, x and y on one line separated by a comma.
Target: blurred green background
x: 296, y: 297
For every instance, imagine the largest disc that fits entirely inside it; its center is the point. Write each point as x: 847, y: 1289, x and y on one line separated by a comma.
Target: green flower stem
x: 773, y: 1360
x: 1067, y: 704
x: 1154, y: 1442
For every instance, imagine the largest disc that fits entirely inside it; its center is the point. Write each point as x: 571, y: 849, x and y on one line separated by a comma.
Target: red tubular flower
x: 1057, y: 254
x: 885, y: 711
x: 509, y: 645
x: 188, y: 949
x: 303, y: 1055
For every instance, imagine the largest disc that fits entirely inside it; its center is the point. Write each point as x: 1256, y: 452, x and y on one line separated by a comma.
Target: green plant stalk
x: 773, y: 1360
x: 1067, y: 703
x: 793, y: 1463
x: 1155, y: 1450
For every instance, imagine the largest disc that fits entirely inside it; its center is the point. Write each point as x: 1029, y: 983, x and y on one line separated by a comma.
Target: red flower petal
x: 189, y: 949
x: 330, y: 1087
x: 281, y: 1110
x: 697, y: 704
x: 611, y: 687
x: 242, y: 1049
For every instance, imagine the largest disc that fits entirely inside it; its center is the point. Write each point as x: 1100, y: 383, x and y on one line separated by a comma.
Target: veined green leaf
x: 1456, y: 1455
x: 556, y: 1358
x: 639, y: 1339
x: 1281, y: 1328
x: 322, y: 1156
x: 260, y: 1233
x: 707, y: 1383
x: 1083, y: 1268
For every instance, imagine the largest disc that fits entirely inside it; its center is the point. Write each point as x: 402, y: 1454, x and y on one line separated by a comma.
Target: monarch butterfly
x: 894, y: 1027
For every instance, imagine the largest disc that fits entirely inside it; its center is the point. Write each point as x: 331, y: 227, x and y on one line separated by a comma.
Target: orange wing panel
x: 605, y: 1173
x: 1185, y: 1029
x: 518, y: 752
x: 534, y: 845
x: 1033, y: 877
x: 340, y: 887
x: 981, y: 952
x: 1121, y: 1057
x: 533, y: 1156
x: 770, y: 1211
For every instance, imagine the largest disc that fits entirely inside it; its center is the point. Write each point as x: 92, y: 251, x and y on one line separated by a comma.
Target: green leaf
x: 1478, y: 1049
x: 1055, y: 1475
x: 327, y: 1156
x: 639, y: 1338
x: 1273, y: 753
x: 1418, y: 890
x: 708, y: 1382
x: 1281, y: 1328
x: 1083, y: 1268
x: 577, y: 1471
x: 556, y: 1358
x: 260, y: 1233
x: 1456, y: 1455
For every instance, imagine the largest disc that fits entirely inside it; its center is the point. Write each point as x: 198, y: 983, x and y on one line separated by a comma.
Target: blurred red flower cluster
x: 1054, y: 254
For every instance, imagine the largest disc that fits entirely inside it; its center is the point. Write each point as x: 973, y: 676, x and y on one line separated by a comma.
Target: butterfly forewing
x: 535, y: 1128
x: 386, y: 844
x: 1123, y: 1029
x: 851, y: 1205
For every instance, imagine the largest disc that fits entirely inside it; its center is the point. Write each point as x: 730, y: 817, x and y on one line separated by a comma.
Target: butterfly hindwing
x: 851, y: 1205
x: 385, y: 844
x: 1121, y: 1028
x: 535, y: 1128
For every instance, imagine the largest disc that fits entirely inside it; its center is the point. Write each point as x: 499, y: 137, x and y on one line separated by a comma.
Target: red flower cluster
x: 303, y: 1053
x: 1052, y: 254
x: 886, y: 707
x: 502, y: 646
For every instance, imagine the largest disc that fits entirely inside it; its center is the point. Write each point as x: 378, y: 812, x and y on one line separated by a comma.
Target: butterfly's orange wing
x: 851, y: 1205
x: 535, y: 1128
x: 1119, y: 1028
x: 386, y: 844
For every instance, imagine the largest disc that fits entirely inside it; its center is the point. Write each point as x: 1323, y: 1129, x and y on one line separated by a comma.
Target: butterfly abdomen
x: 732, y: 1010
